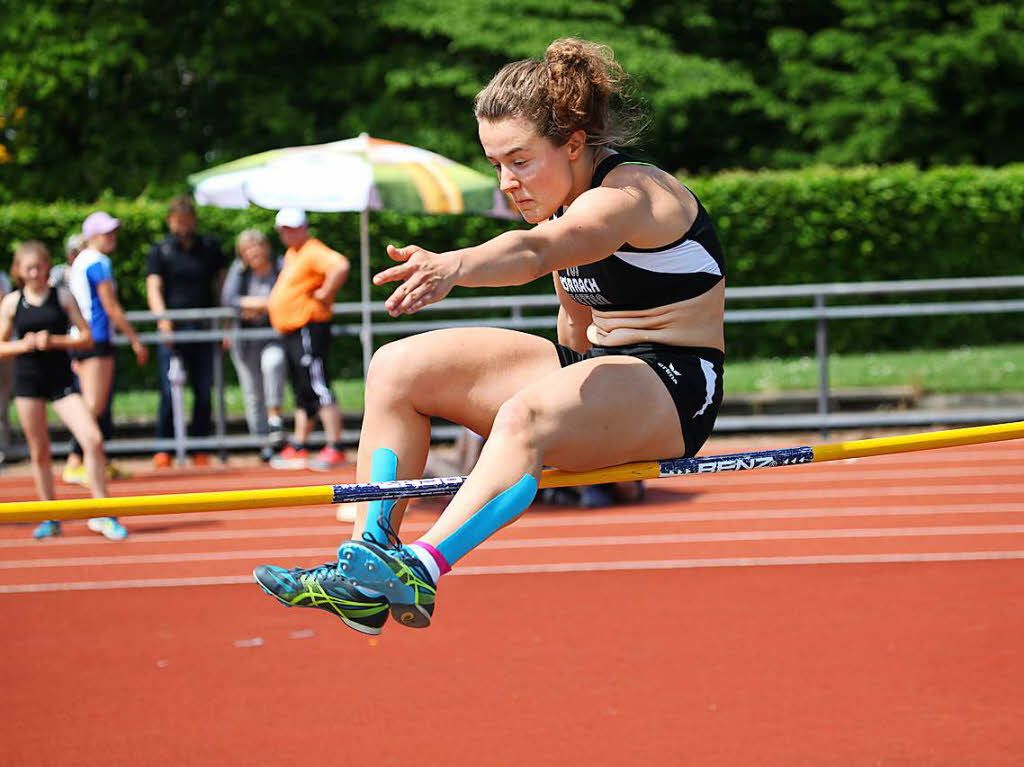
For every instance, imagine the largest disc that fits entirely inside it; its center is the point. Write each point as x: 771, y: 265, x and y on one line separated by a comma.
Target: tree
x: 129, y: 96
x: 932, y: 82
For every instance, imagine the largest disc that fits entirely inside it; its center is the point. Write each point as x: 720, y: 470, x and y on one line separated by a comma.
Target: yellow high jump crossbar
x: 182, y: 503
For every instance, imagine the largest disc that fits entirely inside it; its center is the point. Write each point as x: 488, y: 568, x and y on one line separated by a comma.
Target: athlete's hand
x: 141, y: 352
x: 42, y: 340
x: 426, y: 278
x: 28, y: 342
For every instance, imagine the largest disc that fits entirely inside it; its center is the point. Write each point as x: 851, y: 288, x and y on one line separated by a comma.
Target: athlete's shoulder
x: 10, y: 302
x: 638, y: 173
x: 99, y: 270
x: 317, y: 248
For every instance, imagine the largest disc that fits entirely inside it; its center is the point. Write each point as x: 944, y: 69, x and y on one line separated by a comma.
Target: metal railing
x: 819, y: 311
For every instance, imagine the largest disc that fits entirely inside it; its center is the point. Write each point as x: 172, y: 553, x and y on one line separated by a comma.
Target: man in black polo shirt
x: 185, y: 272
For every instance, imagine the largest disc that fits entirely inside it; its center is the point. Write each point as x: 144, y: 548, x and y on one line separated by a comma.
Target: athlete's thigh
x: 32, y: 417
x: 465, y: 374
x: 75, y: 414
x: 605, y: 411
x: 96, y: 375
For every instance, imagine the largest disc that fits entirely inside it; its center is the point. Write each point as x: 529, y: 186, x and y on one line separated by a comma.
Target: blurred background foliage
x: 833, y: 140
x: 810, y: 225
x: 126, y: 97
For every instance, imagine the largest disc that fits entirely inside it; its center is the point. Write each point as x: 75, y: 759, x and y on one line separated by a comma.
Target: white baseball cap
x: 293, y: 218
x: 99, y: 223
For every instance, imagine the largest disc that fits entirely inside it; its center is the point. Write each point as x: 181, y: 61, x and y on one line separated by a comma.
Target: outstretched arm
x: 596, y: 225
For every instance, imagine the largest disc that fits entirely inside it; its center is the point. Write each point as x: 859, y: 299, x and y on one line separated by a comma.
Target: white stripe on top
x: 687, y: 257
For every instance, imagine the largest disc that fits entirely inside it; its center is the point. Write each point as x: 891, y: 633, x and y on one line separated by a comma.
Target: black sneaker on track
x: 323, y: 587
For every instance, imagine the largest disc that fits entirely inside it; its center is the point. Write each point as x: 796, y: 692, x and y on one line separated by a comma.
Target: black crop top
x: 49, y: 316
x: 644, y: 278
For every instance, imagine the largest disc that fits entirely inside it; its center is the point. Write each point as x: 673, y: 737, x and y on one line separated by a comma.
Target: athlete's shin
x: 383, y: 468
x: 482, y: 524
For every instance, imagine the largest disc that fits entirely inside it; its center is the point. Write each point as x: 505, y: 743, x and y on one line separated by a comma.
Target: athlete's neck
x: 37, y: 294
x: 583, y: 171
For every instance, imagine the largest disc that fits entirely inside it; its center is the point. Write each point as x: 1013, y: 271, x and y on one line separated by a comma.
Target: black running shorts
x: 692, y: 375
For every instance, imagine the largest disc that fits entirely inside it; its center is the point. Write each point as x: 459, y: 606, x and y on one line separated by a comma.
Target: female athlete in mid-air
x: 637, y: 372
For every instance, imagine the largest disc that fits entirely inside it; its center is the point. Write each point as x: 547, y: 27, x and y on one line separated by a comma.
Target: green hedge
x: 778, y: 228
x: 854, y: 225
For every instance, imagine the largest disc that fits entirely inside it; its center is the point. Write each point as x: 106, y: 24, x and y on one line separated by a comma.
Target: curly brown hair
x: 578, y: 86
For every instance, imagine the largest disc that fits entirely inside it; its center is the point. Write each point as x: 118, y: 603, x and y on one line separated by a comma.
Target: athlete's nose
x: 507, y: 180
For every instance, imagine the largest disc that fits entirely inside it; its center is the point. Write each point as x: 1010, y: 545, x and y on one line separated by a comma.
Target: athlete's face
x: 34, y: 270
x: 531, y: 169
x: 105, y: 243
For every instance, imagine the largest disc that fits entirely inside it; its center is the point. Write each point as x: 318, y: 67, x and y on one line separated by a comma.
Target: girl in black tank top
x: 43, y: 374
x: 38, y: 318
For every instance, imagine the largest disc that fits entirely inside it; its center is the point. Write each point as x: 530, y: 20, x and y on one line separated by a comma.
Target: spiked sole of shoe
x: 411, y: 616
x: 370, y: 572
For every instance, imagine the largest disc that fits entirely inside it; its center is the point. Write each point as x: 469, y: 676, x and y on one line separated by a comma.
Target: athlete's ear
x: 577, y: 141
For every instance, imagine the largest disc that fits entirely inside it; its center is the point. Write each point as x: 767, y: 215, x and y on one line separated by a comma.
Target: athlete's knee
x: 91, y: 441
x: 39, y: 451
x: 520, y: 418
x: 393, y: 369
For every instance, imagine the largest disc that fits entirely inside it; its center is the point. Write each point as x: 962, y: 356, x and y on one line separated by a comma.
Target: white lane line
x: 554, y: 567
x: 536, y: 519
x: 685, y: 564
x: 916, y: 491
x: 538, y: 543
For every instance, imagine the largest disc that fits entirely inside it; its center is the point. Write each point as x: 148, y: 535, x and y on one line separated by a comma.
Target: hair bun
x: 571, y: 51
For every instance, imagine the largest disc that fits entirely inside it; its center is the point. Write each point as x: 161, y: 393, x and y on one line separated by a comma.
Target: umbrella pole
x: 366, y: 330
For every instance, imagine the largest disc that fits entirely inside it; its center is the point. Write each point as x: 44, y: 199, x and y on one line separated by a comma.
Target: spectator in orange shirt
x: 299, y: 307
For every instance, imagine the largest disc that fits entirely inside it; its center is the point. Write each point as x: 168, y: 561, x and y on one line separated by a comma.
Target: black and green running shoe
x: 324, y: 587
x: 396, y: 573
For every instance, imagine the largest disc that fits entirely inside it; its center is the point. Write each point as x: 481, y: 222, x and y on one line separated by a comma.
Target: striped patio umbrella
x: 357, y: 174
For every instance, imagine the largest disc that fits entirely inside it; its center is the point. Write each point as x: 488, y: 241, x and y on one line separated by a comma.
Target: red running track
x: 863, y: 612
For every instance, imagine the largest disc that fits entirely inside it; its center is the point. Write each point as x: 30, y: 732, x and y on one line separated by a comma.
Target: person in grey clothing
x: 259, y: 362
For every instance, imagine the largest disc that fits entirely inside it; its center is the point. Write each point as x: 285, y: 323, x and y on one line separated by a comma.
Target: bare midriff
x: 694, y: 322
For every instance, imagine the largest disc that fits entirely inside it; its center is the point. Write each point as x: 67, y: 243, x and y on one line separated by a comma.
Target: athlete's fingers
x: 394, y: 302
x: 394, y: 273
x: 401, y: 254
x: 416, y: 299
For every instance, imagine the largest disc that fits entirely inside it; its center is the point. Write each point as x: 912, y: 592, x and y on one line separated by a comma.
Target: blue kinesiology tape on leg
x: 497, y: 513
x: 383, y: 468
